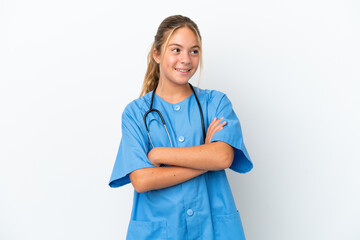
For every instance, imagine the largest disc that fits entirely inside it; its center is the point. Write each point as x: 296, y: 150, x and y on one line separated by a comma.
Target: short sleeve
x: 132, y: 153
x: 231, y: 134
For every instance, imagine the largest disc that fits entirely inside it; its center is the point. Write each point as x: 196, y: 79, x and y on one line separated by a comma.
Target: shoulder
x: 138, y: 107
x: 212, y: 97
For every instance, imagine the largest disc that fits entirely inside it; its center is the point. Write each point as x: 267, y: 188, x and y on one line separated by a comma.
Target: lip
x: 183, y: 70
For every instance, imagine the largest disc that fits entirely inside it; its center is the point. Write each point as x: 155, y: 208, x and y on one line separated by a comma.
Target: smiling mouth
x: 182, y: 70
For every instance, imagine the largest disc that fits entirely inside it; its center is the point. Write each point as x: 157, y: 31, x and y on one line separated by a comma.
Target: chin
x: 182, y: 82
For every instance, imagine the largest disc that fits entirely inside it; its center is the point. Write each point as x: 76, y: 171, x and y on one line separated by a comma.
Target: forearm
x: 147, y: 179
x: 213, y: 156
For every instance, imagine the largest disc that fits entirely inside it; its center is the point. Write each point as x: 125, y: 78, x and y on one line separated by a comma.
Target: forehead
x: 184, y: 36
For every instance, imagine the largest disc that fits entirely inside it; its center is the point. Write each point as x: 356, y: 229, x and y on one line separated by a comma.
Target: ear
x: 156, y: 55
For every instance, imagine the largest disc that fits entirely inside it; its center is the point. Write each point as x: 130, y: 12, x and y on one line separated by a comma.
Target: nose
x: 185, y: 58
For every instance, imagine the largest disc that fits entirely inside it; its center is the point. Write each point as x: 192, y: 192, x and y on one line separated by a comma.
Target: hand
x: 152, y: 157
x: 215, y: 126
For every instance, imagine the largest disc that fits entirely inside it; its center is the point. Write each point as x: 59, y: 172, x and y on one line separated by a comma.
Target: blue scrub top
x: 200, y: 208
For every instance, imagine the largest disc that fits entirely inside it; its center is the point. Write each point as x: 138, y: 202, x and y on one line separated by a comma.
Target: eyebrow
x: 175, y: 44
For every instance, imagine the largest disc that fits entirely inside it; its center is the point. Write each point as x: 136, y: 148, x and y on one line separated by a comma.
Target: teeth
x: 182, y: 70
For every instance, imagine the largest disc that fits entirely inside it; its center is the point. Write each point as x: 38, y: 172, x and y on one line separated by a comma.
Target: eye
x: 176, y: 50
x: 195, y: 52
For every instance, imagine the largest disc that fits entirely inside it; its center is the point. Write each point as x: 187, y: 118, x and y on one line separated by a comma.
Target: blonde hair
x: 165, y: 30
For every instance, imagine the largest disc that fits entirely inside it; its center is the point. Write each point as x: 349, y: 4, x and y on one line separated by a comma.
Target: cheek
x: 167, y: 64
x: 195, y: 62
x: 171, y: 61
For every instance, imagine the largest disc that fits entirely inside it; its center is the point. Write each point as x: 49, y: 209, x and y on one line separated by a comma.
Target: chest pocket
x: 158, y: 135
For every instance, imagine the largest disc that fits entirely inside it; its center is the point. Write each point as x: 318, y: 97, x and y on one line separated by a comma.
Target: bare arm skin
x: 209, y: 156
x: 212, y: 156
x: 147, y: 179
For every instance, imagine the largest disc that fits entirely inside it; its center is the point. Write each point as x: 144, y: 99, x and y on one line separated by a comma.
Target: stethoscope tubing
x: 201, y: 113
x: 151, y: 109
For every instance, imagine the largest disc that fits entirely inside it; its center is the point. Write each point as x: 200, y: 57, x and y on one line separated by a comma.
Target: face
x: 180, y: 59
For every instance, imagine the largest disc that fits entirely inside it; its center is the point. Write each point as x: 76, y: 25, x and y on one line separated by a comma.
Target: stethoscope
x: 163, y: 121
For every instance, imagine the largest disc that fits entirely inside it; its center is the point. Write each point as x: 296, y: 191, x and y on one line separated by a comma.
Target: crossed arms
x: 187, y: 162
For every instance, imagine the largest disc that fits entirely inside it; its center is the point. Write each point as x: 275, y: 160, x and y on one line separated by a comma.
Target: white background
x: 68, y: 68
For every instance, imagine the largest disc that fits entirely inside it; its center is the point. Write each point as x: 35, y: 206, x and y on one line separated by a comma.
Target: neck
x: 173, y: 93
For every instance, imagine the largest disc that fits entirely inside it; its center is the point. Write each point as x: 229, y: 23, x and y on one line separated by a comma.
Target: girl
x: 177, y: 170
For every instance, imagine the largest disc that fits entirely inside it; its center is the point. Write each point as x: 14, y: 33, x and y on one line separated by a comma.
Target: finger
x: 213, y: 126
x: 218, y: 120
x: 213, y: 122
x: 216, y: 123
x: 212, y: 129
x: 209, y: 132
x: 218, y: 127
